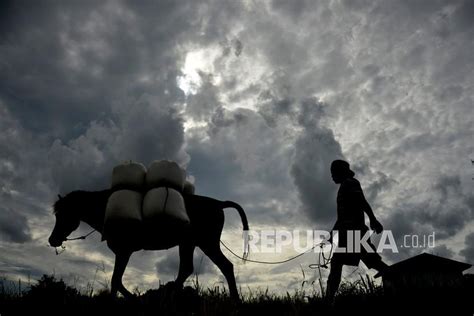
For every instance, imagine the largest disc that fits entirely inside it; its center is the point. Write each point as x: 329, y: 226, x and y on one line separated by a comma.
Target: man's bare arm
x: 365, y: 206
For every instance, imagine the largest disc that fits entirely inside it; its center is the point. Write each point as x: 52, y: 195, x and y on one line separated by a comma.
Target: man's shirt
x: 350, y: 214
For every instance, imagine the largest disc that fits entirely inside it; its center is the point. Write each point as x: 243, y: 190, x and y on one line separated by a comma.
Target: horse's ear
x: 59, y: 196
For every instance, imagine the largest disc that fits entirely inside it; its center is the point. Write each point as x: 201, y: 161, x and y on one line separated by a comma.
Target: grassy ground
x: 50, y: 296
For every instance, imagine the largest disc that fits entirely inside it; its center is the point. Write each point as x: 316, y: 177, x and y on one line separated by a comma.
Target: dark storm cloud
x: 148, y: 131
x: 315, y: 149
x: 373, y: 182
x: 85, y: 56
x: 91, y: 82
x: 209, y: 163
x: 449, y: 209
x: 243, y: 159
x: 13, y: 226
x: 446, y: 212
x: 115, y: 80
x: 23, y: 178
x: 37, y: 86
x: 443, y: 251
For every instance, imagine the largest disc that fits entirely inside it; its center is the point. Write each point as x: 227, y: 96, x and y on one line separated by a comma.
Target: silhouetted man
x: 351, y: 205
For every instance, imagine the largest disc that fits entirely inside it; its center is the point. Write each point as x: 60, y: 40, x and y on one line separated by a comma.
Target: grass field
x: 50, y: 296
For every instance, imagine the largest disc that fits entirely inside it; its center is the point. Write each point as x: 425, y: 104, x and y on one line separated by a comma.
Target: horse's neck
x: 93, y: 210
x: 95, y: 223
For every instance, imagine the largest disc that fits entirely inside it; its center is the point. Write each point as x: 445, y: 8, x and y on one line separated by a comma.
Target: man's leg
x: 333, y: 280
x: 374, y: 261
x: 379, y: 265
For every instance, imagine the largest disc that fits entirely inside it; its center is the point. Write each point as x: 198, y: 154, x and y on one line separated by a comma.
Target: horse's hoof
x: 173, y: 286
x: 131, y: 298
x: 236, y: 300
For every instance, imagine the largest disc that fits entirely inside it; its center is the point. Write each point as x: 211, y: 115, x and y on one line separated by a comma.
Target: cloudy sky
x: 255, y: 99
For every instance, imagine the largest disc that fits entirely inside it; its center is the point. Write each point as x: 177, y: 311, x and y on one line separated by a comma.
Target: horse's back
x: 201, y: 204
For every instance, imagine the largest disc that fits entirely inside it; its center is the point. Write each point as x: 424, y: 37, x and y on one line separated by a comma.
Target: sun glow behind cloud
x: 197, y: 63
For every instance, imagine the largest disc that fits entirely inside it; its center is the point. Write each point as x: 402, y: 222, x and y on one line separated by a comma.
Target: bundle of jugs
x: 142, y: 196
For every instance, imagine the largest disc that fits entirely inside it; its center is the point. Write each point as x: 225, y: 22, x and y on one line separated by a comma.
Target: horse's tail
x: 245, y: 224
x: 239, y: 209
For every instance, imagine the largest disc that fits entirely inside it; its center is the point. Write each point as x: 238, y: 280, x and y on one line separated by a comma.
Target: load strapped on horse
x: 146, y: 199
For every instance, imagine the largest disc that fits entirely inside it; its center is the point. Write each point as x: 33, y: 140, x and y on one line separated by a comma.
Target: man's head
x: 340, y: 170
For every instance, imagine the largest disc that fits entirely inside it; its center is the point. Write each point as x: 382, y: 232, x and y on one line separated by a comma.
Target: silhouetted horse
x: 206, y: 223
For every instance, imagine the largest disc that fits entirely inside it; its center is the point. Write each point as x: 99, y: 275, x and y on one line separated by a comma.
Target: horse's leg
x: 121, y: 261
x: 227, y: 268
x: 186, y: 251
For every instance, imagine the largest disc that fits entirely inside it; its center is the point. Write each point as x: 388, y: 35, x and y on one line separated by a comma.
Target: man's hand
x: 327, y: 239
x: 376, y: 226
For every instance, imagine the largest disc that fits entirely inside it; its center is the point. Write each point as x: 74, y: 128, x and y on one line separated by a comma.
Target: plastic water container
x: 164, y: 201
x: 165, y: 173
x: 129, y: 175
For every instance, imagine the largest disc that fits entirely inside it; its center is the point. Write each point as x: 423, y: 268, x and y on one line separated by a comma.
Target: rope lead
x: 324, y: 264
x: 63, y: 248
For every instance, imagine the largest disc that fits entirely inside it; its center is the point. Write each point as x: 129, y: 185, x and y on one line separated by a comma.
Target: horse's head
x: 67, y: 221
